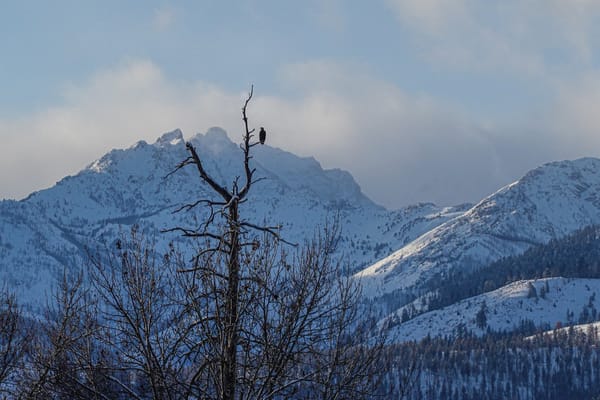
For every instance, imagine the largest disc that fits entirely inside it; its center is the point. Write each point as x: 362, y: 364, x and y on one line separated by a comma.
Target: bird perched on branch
x: 262, y: 135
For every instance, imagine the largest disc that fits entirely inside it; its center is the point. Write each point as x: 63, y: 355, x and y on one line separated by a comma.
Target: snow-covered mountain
x: 51, y: 229
x: 547, y: 203
x: 548, y: 302
x: 400, y: 255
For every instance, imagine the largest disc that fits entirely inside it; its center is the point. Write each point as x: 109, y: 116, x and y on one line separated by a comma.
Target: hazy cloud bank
x: 401, y: 147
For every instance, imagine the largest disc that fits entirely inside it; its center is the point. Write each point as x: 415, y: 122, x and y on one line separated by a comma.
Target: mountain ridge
x: 398, y: 255
x: 549, y: 202
x: 47, y: 231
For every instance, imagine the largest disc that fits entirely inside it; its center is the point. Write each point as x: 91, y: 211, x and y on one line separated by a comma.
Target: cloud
x: 401, y: 147
x: 574, y: 115
x: 538, y: 38
x: 432, y: 16
x: 113, y: 109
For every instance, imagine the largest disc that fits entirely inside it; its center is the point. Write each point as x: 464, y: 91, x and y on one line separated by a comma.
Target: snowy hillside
x: 51, y: 229
x: 548, y: 202
x: 592, y: 328
x: 417, y: 246
x: 548, y: 302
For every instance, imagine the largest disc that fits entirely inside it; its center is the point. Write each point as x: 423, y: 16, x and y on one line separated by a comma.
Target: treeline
x: 559, y: 365
x: 574, y: 256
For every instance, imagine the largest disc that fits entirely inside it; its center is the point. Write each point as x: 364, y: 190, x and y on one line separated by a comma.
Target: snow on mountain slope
x: 592, y: 328
x: 51, y: 229
x: 548, y: 202
x: 562, y: 303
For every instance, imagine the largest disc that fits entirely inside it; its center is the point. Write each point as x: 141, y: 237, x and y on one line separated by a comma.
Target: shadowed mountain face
x: 52, y: 230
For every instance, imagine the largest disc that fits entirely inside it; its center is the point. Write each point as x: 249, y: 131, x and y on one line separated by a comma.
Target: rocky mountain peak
x: 170, y: 138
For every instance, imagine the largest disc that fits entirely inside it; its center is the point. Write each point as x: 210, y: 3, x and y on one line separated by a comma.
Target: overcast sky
x: 421, y: 100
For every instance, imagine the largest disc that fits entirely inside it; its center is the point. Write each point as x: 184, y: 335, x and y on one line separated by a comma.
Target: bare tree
x: 14, y: 341
x: 66, y: 361
x: 250, y: 316
x: 267, y: 324
x: 114, y: 332
x: 140, y: 318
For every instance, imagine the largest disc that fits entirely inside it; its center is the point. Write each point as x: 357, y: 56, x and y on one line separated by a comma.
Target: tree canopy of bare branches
x: 248, y: 316
x: 270, y: 323
x: 14, y: 340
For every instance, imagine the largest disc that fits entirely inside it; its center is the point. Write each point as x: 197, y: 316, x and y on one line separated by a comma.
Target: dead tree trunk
x: 231, y: 311
x: 227, y: 243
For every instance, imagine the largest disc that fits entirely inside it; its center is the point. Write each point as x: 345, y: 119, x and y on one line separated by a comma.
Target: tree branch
x: 214, y: 185
x: 269, y: 229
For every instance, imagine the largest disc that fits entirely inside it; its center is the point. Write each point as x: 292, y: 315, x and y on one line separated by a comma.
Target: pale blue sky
x: 422, y: 100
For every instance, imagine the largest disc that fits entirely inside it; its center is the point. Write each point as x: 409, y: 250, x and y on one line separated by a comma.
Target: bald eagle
x: 262, y: 135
